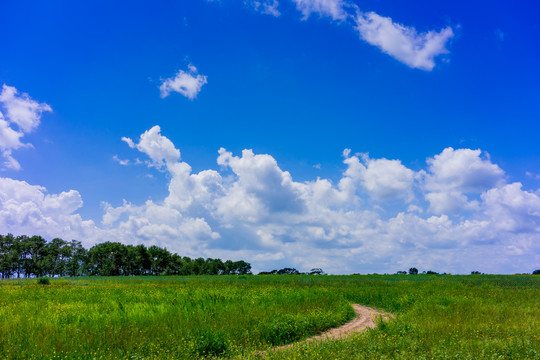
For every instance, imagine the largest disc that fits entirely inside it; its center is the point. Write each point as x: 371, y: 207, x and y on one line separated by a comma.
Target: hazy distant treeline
x: 24, y: 256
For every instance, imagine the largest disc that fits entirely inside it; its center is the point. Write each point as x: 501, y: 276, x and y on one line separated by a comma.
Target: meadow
x: 173, y: 317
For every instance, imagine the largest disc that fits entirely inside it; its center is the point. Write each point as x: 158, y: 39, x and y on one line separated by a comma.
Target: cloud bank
x: 458, y: 214
x: 19, y: 115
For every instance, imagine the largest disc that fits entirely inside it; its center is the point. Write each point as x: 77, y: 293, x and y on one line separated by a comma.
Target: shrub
x: 43, y: 281
x: 282, y: 331
x: 210, y: 343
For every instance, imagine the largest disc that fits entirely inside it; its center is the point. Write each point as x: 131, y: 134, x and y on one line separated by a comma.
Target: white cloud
x: 417, y: 50
x: 28, y: 209
x: 332, y: 8
x: 260, y: 180
x: 120, y: 161
x: 382, y: 179
x: 160, y: 149
x: 23, y: 113
x: 21, y: 109
x: 252, y: 209
x: 414, y: 49
x: 261, y: 214
x: 532, y: 175
x: 188, y: 83
x: 268, y: 7
x: 513, y: 209
x: 454, y: 173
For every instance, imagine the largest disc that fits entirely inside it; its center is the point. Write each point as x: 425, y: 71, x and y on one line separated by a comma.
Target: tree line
x: 292, y: 271
x: 24, y: 256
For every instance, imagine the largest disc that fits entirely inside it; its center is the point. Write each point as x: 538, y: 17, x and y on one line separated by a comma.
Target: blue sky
x: 297, y: 82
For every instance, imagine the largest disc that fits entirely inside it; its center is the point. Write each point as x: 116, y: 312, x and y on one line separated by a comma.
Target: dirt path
x: 365, y: 318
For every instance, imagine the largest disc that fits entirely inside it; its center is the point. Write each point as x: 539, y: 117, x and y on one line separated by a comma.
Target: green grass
x: 437, y: 317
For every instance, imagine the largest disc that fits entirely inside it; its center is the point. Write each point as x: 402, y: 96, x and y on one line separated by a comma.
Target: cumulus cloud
x: 455, y: 173
x: 19, y: 115
x: 382, y: 179
x: 414, y: 49
x: 28, y: 209
x: 260, y: 180
x: 513, y: 209
x: 252, y: 209
x: 188, y: 83
x: 160, y: 149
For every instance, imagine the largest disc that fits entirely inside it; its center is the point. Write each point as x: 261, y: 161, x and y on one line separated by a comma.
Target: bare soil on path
x: 365, y: 318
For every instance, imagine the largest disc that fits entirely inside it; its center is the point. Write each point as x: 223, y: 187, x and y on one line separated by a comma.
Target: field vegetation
x: 173, y: 317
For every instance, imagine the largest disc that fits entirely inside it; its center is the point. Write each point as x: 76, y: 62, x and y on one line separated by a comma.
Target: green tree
x: 159, y: 259
x: 57, y: 254
x: 8, y: 255
x: 75, y: 261
x: 107, y: 259
x: 37, y: 252
x: 242, y: 267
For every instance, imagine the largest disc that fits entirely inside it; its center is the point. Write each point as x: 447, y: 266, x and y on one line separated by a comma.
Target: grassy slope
x: 438, y: 317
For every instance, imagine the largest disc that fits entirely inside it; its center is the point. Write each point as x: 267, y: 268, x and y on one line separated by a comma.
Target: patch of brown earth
x: 365, y: 318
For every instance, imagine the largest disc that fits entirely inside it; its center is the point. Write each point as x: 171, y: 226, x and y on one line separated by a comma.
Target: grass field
x: 437, y: 317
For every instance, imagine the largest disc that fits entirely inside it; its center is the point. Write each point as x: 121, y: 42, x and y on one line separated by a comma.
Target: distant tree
x: 187, y: 266
x: 198, y: 266
x: 56, y: 254
x: 220, y: 266
x: 429, y: 272
x: 77, y: 255
x: 228, y: 267
x: 159, y: 259
x: 241, y: 267
x: 475, y: 273
x: 413, y: 271
x: 273, y: 272
x: 7, y: 255
x: 106, y: 259
x: 37, y: 252
x: 288, y: 271
x: 401, y: 273
x: 175, y: 265
x: 143, y: 263
x: 284, y: 271
x: 536, y: 272
x: 34, y: 256
x: 316, y: 271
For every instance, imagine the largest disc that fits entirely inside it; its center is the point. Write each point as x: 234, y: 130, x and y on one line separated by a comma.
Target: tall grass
x: 160, y: 318
x: 437, y: 317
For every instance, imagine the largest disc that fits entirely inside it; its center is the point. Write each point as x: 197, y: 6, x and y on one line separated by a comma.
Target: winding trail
x: 365, y: 318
